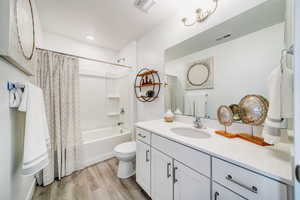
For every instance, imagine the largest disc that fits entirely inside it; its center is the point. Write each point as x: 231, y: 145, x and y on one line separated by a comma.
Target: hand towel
x: 35, y: 156
x: 280, y: 86
x: 195, y: 102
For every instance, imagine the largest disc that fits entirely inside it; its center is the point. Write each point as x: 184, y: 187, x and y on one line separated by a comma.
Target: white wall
x: 93, y: 107
x: 297, y: 95
x: 64, y: 44
x: 94, y: 104
x: 129, y: 52
x: 94, y: 110
x: 13, y: 185
x: 241, y: 66
x: 151, y: 47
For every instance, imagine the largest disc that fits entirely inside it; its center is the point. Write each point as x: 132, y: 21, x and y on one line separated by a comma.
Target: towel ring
x: 284, y: 52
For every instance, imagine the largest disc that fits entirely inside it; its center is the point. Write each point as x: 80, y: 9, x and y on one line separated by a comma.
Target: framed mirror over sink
x: 222, y: 64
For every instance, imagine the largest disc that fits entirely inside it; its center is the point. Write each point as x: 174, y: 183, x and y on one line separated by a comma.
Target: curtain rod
x: 85, y: 58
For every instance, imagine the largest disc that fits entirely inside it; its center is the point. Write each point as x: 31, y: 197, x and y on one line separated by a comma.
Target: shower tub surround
x: 98, y: 144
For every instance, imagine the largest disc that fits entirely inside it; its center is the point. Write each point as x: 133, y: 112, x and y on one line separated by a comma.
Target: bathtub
x: 98, y: 144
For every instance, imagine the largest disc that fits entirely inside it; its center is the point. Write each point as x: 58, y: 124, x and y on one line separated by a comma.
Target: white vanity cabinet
x: 247, y: 183
x: 188, y: 184
x: 161, y: 176
x: 171, y: 179
x: 169, y: 170
x: 143, y: 165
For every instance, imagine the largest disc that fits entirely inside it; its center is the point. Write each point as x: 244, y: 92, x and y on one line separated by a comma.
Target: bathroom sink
x: 190, y: 132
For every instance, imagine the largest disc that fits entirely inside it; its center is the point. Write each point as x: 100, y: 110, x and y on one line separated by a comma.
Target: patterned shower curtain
x: 58, y: 76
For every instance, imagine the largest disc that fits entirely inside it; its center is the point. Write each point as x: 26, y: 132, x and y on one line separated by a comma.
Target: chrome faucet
x: 198, y: 123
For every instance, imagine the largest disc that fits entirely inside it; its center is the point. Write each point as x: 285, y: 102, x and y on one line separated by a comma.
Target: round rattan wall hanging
x: 147, y: 85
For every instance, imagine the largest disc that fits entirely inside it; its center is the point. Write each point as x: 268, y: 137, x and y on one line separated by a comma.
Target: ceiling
x: 112, y: 23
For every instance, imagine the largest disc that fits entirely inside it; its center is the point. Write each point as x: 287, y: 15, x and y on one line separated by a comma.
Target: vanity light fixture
x: 201, y: 15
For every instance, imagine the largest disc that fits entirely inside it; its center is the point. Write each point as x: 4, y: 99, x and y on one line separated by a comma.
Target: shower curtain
x: 58, y: 76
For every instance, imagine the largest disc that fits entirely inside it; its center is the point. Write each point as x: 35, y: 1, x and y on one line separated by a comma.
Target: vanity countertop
x: 274, y: 162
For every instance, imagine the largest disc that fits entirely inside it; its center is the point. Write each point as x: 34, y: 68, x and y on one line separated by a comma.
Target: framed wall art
x: 200, y: 74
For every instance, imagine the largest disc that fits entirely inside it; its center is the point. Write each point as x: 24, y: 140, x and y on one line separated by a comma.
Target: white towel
x: 280, y: 85
x: 36, y: 139
x: 195, y: 102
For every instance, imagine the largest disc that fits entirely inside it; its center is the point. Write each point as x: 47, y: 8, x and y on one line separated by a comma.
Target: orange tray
x: 253, y: 139
x: 244, y: 136
x: 226, y: 134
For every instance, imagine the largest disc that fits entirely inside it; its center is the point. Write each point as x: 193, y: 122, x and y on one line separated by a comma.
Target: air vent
x: 144, y: 5
x: 224, y: 37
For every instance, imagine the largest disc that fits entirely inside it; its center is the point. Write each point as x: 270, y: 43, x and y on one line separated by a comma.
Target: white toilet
x: 125, y: 152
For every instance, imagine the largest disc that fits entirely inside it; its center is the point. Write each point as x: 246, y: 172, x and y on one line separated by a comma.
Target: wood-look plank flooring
x: 98, y: 182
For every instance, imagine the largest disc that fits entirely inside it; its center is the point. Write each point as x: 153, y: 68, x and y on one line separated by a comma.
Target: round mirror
x: 198, y: 74
x: 225, y: 116
x: 25, y: 27
x: 254, y: 109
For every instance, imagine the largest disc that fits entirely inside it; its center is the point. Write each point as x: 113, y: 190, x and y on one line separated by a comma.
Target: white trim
x: 98, y: 159
x: 31, y: 190
x: 297, y: 95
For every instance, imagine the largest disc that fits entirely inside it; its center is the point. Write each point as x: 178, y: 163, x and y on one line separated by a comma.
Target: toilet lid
x: 127, y: 147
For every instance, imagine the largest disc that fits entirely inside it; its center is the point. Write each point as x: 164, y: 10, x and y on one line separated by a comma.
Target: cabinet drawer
x: 221, y: 193
x: 143, y: 135
x: 194, y: 159
x: 249, y: 184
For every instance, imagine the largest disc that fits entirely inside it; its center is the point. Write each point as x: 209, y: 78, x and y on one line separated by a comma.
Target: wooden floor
x: 98, y: 182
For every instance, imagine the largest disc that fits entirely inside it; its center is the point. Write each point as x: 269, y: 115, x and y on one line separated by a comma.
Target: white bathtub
x: 98, y: 144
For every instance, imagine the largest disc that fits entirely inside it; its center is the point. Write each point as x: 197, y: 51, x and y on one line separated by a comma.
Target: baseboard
x: 31, y: 190
x: 98, y: 159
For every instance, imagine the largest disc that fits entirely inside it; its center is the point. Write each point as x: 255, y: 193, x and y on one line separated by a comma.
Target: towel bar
x: 11, y: 86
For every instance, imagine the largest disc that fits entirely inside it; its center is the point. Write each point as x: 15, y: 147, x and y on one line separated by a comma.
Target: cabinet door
x: 190, y: 185
x: 161, y: 176
x: 143, y: 157
x: 221, y: 193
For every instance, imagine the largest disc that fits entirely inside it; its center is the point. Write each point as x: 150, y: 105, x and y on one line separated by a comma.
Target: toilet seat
x: 125, y: 153
x: 126, y: 148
